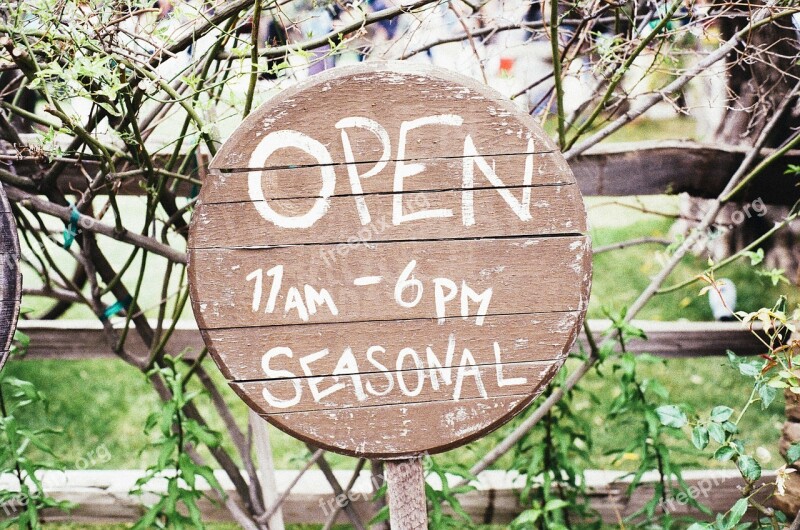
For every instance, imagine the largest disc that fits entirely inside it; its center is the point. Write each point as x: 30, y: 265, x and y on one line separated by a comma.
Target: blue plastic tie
x: 72, y: 230
x: 116, y: 307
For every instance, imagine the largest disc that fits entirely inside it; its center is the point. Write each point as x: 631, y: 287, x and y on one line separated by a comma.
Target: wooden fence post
x: 408, y: 509
x: 266, y: 467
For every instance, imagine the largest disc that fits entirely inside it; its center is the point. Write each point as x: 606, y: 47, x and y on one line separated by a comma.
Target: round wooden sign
x: 389, y: 259
x: 10, y: 277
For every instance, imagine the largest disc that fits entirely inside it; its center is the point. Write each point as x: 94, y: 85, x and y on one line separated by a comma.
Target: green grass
x: 621, y: 275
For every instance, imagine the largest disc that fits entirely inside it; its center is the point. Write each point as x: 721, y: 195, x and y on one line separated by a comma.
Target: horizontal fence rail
x: 612, y: 169
x: 104, y: 496
x: 84, y: 339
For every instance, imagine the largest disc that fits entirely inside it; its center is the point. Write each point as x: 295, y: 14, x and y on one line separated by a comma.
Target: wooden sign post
x: 389, y: 260
x: 10, y: 277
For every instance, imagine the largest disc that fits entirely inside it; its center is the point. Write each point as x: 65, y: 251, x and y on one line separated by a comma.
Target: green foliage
x: 438, y: 518
x: 725, y: 521
x: 650, y: 425
x: 793, y: 453
x: 721, y: 425
x: 177, y: 507
x: 444, y: 509
x: 20, y: 345
x: 553, y: 458
x: 671, y: 416
x: 21, y: 507
x: 792, y: 169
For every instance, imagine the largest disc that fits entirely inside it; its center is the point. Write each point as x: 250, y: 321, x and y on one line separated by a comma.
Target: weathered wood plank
x: 546, y: 168
x: 381, y: 124
x: 701, y: 170
x: 9, y: 311
x: 552, y: 210
x: 83, y: 339
x: 535, y: 337
x: 618, y: 169
x: 391, y: 431
x: 10, y: 276
x: 395, y: 387
x: 688, y: 339
x: 553, y: 268
x: 104, y: 496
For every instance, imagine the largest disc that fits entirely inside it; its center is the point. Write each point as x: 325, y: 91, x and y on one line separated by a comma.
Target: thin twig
x: 631, y: 243
x: 267, y: 515
x: 337, y: 490
x: 337, y: 510
x: 763, y: 16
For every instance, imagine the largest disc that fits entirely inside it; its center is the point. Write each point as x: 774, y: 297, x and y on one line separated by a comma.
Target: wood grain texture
x: 84, y: 339
x: 103, y: 496
x: 531, y: 337
x: 381, y: 388
x: 554, y: 210
x: 408, y: 508
x: 616, y: 169
x: 392, y: 431
x: 525, y: 274
x: 10, y: 277
x: 390, y: 94
x: 548, y: 169
x: 393, y: 273
x: 671, y: 167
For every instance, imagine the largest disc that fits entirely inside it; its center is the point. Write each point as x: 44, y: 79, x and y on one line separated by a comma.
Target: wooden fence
x: 640, y: 168
x: 103, y: 496
x: 607, y: 170
x: 84, y: 339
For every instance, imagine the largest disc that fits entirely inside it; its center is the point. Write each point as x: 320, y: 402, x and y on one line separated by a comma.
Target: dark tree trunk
x: 759, y: 81
x: 762, y: 72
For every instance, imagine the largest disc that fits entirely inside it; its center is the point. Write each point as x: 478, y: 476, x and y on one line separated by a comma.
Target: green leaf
x: 749, y: 370
x: 793, y: 453
x: 555, y: 504
x: 108, y: 108
x: 208, y: 474
x: 775, y: 382
x: 737, y: 512
x: 528, y: 517
x: 724, y: 453
x: 700, y: 437
x: 767, y: 395
x: 671, y: 416
x: 750, y: 469
x: 721, y: 413
x: 730, y: 427
x: 716, y: 432
x: 202, y: 434
x: 755, y: 257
